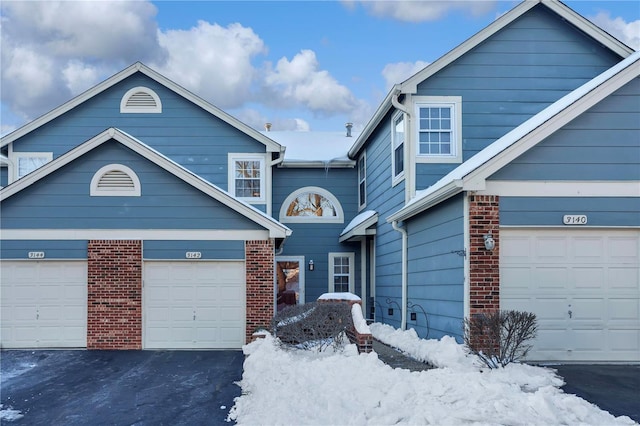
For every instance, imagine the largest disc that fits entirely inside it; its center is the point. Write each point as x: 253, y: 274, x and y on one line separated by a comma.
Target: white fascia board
x: 360, y: 227
x: 338, y: 164
x: 270, y: 145
x: 276, y: 229
x: 504, y: 188
x: 420, y: 204
x: 135, y: 234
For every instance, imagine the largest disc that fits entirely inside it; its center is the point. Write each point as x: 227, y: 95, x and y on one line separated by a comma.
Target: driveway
x: 614, y: 388
x: 120, y: 387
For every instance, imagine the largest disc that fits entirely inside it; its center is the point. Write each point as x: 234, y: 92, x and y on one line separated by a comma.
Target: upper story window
x: 362, y: 180
x: 341, y: 272
x: 247, y: 177
x: 439, y: 129
x: 26, y: 162
x: 397, y: 147
x: 311, y: 204
x: 140, y: 100
x: 115, y: 180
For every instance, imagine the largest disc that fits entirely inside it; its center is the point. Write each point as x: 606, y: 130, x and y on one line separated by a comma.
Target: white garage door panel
x: 43, y: 304
x: 194, y: 304
x: 584, y: 287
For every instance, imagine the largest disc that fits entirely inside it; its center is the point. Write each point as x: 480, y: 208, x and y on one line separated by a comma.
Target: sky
x: 300, y: 65
x: 284, y: 387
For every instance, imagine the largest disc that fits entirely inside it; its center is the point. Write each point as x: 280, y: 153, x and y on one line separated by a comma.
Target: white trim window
x: 311, y: 204
x: 140, y: 100
x: 362, y: 181
x: 26, y: 162
x: 247, y: 175
x: 397, y: 147
x: 439, y: 129
x: 115, y: 180
x: 341, y: 272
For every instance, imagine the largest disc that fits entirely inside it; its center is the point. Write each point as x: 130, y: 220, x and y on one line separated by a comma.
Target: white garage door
x: 43, y: 304
x: 190, y: 305
x: 584, y: 287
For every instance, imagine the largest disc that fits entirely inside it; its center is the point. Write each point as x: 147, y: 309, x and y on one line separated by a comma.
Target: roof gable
x: 270, y: 145
x: 411, y: 84
x: 275, y: 228
x: 472, y: 174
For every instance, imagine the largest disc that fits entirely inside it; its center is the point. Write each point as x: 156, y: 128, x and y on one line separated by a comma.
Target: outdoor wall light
x: 311, y: 265
x: 489, y: 242
x: 390, y: 312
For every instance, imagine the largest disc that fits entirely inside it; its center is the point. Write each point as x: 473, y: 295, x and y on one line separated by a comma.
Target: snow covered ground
x: 281, y: 387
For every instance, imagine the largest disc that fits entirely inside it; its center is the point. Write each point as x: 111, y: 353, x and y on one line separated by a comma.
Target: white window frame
x: 339, y: 218
x: 362, y: 181
x: 233, y: 157
x: 15, y: 161
x: 352, y: 264
x: 398, y: 177
x: 124, y: 109
x: 95, y: 191
x: 455, y: 103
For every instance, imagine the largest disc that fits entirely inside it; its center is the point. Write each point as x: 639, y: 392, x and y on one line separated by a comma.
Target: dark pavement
x: 612, y: 387
x: 120, y: 387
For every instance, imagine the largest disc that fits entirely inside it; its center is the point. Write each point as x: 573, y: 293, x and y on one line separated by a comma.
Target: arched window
x: 140, y: 100
x: 311, y: 204
x: 115, y: 180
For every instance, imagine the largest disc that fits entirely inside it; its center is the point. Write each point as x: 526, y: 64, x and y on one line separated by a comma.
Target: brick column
x: 484, y: 264
x: 259, y: 257
x: 114, y: 315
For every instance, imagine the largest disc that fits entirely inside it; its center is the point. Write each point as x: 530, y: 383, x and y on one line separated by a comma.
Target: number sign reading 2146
x: 574, y: 219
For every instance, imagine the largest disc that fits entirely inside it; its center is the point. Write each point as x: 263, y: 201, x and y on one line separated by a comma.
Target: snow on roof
x: 500, y: 145
x: 313, y: 146
x: 358, y: 220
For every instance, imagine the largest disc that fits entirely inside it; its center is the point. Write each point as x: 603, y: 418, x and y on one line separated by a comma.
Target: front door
x: 289, y: 281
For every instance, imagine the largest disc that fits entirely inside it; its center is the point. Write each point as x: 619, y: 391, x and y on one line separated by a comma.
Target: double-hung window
x: 341, y: 272
x: 397, y: 146
x: 438, y: 122
x: 362, y: 181
x: 247, y: 177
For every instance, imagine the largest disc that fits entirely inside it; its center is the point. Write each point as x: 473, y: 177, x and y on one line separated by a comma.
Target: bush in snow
x: 313, y: 325
x: 500, y: 337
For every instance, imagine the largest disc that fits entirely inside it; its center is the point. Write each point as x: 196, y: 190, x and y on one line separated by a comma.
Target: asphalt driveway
x: 120, y: 387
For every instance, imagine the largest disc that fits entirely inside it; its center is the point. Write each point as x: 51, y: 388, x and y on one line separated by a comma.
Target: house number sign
x: 36, y: 255
x: 574, y: 219
x: 193, y: 255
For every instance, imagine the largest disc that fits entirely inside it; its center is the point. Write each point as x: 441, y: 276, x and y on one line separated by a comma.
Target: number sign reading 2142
x: 574, y: 219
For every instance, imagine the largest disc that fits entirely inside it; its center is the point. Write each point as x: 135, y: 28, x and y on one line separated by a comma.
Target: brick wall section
x: 259, y: 255
x: 364, y: 342
x: 484, y: 217
x: 114, y: 316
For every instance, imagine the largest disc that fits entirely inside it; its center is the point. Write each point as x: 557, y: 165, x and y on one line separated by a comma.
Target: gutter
x: 405, y: 237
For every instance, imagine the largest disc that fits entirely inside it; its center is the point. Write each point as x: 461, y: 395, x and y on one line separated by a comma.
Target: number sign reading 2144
x: 574, y: 219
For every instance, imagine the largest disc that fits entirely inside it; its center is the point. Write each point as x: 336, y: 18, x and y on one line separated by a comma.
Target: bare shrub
x: 499, y: 338
x: 313, y: 326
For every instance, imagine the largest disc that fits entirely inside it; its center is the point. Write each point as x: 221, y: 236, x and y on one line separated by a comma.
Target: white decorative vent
x: 115, y: 180
x: 140, y: 100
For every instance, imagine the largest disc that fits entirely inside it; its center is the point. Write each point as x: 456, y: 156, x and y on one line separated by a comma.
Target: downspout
x: 403, y: 320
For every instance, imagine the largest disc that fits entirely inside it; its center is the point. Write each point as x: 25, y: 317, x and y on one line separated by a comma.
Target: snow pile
x: 340, y: 296
x: 9, y: 415
x: 282, y: 387
x: 359, y: 322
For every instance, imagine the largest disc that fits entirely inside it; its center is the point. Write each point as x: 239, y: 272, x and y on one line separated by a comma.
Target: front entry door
x: 289, y: 281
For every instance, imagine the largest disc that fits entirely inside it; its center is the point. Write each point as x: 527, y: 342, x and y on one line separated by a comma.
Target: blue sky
x: 302, y: 65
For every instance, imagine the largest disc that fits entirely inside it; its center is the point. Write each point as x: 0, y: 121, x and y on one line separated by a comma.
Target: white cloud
x: 422, y: 10
x: 400, y: 71
x: 626, y: 32
x: 78, y: 76
x: 299, y: 82
x: 212, y: 61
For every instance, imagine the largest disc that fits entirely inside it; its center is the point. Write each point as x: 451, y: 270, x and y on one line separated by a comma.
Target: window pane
x: 399, y: 159
x: 28, y: 164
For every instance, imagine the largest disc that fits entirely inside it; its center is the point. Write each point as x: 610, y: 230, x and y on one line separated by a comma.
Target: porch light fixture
x: 489, y: 242
x: 311, y: 265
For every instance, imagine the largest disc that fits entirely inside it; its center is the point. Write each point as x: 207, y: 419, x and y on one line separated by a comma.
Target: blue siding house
x: 504, y: 175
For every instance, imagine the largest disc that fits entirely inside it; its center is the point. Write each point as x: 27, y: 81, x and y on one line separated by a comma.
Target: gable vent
x: 140, y: 100
x: 115, y: 180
